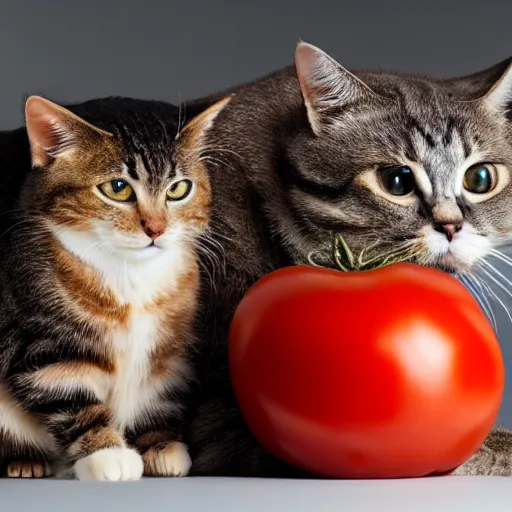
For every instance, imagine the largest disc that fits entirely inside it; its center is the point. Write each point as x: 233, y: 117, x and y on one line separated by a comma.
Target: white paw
x: 173, y: 460
x: 110, y: 464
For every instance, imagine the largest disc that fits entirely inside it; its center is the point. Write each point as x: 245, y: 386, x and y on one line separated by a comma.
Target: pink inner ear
x: 44, y: 122
x: 305, y: 62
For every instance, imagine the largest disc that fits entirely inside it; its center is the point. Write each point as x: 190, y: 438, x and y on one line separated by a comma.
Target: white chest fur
x: 132, y: 393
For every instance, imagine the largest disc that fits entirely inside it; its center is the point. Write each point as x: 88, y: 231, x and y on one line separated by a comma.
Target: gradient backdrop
x: 180, y: 49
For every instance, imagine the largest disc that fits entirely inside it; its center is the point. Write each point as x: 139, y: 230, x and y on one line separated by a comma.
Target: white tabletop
x: 453, y: 494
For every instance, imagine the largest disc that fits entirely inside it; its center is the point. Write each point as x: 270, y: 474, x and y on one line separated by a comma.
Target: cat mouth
x: 152, y: 247
x: 142, y: 249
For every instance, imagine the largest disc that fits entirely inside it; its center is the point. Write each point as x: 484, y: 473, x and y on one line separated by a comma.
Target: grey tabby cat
x: 393, y: 161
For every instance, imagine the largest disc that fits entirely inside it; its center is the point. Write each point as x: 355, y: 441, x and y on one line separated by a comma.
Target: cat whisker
x: 214, y: 154
x: 488, y: 270
x: 493, y: 270
x: 401, y: 250
x: 490, y: 291
x: 503, y: 243
x: 503, y: 257
x: 214, y: 261
x: 209, y: 237
x: 208, y: 268
x: 208, y: 251
x: 212, y: 230
x: 216, y: 161
x: 472, y: 283
x: 218, y: 261
x: 22, y: 211
x: 211, y: 233
x: 180, y: 119
x: 494, y: 294
x: 16, y: 225
x: 223, y: 149
x: 483, y: 289
x: 387, y: 257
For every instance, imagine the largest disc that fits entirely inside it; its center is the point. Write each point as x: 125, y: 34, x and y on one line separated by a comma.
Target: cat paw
x: 171, y: 460
x: 110, y: 464
x: 27, y: 469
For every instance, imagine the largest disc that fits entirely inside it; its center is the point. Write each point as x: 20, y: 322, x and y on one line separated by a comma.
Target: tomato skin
x: 394, y: 372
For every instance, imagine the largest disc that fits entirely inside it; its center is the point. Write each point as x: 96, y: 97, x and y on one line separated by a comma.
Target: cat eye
x: 397, y: 180
x: 118, y: 190
x: 480, y: 178
x: 179, y: 190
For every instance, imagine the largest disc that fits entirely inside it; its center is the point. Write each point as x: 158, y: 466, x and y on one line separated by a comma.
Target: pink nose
x: 153, y: 229
x: 449, y: 230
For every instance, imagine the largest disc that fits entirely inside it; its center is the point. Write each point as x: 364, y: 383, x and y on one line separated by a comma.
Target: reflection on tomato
x: 394, y: 372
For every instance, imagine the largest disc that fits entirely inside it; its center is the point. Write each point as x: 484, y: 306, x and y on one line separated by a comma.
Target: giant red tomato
x: 394, y: 372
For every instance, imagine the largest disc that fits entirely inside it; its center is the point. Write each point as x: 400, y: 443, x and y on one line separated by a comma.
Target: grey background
x: 72, y: 51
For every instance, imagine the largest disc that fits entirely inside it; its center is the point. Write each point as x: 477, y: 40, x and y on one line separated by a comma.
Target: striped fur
x: 96, y: 330
x: 296, y: 156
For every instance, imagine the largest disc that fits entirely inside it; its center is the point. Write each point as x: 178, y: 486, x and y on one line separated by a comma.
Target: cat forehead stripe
x: 126, y: 170
x: 132, y: 172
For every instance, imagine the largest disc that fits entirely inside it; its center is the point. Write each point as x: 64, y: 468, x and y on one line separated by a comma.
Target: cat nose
x: 448, y: 229
x: 153, y: 229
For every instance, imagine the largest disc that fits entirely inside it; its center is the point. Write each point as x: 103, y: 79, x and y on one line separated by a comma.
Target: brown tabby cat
x: 98, y: 285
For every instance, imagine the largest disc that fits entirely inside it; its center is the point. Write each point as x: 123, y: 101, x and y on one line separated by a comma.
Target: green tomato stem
x: 342, y: 258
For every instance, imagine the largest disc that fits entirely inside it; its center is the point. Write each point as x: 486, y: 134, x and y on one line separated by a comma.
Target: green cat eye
x: 179, y: 190
x: 118, y: 190
x: 480, y: 178
x: 397, y: 180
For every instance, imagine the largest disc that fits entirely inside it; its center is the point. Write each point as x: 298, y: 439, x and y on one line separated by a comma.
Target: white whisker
x: 495, y: 296
x: 490, y: 269
x: 502, y: 257
x: 472, y: 283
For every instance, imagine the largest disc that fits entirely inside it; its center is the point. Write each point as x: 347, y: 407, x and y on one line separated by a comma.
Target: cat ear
x: 193, y: 133
x: 500, y: 94
x: 325, y: 83
x: 53, y: 130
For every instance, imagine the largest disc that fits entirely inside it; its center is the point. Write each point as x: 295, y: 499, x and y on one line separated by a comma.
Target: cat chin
x: 453, y: 265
